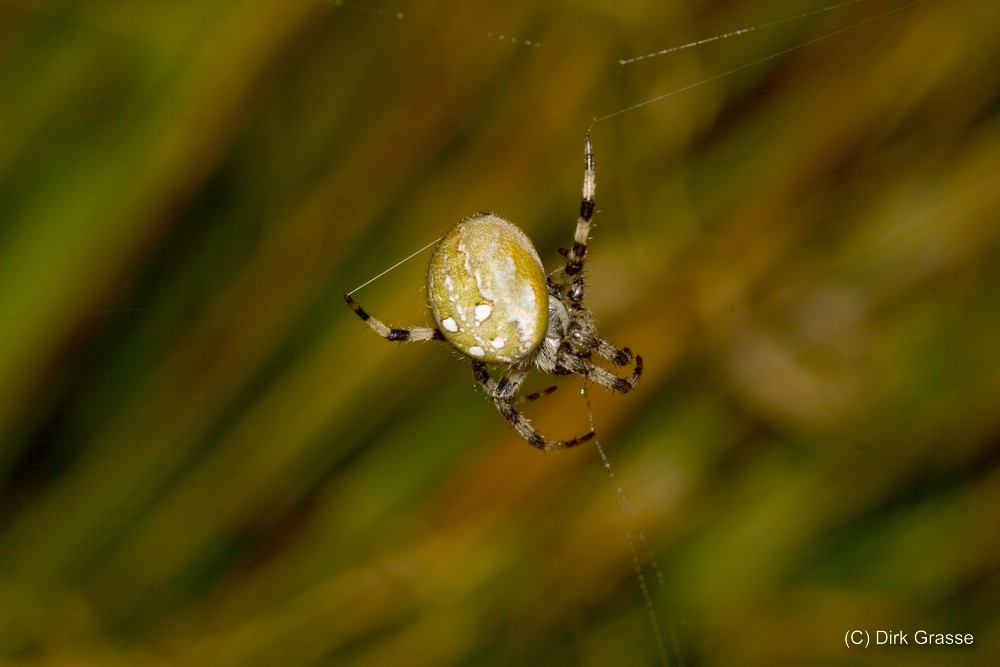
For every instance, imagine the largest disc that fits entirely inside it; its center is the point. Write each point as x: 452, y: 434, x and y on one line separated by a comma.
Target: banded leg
x: 390, y: 333
x: 584, y: 341
x: 622, y: 357
x: 601, y: 376
x: 567, y: 278
x: 502, y: 392
x: 537, y: 395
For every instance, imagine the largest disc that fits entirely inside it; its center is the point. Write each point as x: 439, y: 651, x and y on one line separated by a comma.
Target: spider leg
x: 568, y: 283
x: 582, y: 342
x: 622, y: 357
x: 537, y: 395
x: 390, y: 333
x: 502, y: 392
x: 567, y: 279
x: 601, y: 376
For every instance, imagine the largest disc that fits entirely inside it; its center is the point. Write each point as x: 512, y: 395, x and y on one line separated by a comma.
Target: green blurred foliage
x: 206, y: 459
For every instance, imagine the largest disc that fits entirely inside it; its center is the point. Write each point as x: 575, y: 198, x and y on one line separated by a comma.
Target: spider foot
x: 625, y: 385
x: 622, y: 357
x: 552, y: 445
x: 537, y: 395
x: 358, y: 310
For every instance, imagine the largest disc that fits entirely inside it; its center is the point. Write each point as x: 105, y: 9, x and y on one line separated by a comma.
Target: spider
x: 491, y: 301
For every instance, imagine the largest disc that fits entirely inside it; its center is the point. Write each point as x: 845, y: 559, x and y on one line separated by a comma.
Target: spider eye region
x: 486, y: 290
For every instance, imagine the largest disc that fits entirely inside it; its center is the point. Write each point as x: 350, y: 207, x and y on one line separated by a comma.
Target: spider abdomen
x: 486, y: 290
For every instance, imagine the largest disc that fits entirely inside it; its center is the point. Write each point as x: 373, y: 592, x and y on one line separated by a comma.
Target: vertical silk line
x: 632, y: 534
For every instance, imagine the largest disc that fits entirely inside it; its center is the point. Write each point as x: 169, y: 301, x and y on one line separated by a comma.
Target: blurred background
x: 207, y: 459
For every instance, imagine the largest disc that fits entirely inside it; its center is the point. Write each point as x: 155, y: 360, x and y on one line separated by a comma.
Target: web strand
x: 735, y: 33
x: 399, y: 263
x: 633, y: 534
x: 748, y: 65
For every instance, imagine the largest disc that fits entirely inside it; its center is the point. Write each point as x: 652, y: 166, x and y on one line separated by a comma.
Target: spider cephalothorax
x: 493, y: 303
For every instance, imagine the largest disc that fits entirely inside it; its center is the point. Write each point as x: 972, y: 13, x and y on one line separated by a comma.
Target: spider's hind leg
x: 391, y: 333
x: 537, y: 395
x: 502, y: 392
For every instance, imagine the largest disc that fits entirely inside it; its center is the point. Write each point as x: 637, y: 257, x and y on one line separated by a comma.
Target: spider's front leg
x: 583, y: 365
x: 390, y: 333
x: 502, y: 392
x: 567, y: 279
x: 592, y: 371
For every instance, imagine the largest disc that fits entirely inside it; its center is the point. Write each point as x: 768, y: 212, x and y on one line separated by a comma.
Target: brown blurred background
x: 206, y: 459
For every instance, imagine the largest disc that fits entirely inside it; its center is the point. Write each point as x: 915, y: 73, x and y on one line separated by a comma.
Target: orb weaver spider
x: 491, y: 300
